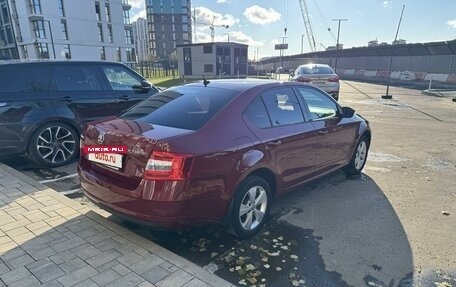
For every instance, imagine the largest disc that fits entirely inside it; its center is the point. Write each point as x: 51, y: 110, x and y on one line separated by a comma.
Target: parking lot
x: 393, y: 225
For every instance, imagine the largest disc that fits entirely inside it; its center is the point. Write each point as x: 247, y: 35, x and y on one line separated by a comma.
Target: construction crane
x: 308, y: 26
x: 211, y: 26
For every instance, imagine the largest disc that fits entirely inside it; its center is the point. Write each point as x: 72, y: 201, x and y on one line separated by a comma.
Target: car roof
x: 315, y: 65
x: 52, y: 62
x: 236, y: 84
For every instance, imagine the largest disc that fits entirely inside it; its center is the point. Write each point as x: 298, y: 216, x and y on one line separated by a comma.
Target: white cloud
x: 223, y: 1
x: 203, y: 35
x: 275, y: 42
x: 206, y: 16
x: 260, y: 15
x: 387, y: 4
x: 452, y: 23
x: 138, y: 9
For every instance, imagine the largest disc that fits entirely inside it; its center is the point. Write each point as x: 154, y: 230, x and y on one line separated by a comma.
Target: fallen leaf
x: 266, y: 266
x: 254, y: 247
x: 250, y: 267
x: 213, y: 254
x: 252, y: 280
x: 237, y: 268
x: 284, y: 247
x: 292, y: 256
x: 242, y: 282
x: 280, y: 238
x: 443, y: 284
x: 295, y: 282
x: 278, y: 268
x: 444, y: 212
x: 277, y: 253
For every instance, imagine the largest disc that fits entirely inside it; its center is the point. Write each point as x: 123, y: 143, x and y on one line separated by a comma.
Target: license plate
x: 110, y: 159
x: 318, y: 82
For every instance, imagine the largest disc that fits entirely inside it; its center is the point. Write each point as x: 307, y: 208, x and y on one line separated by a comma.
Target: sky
x: 261, y: 23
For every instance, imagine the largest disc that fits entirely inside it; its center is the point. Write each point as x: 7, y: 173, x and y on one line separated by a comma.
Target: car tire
x: 251, y: 206
x: 54, y: 144
x: 359, y: 157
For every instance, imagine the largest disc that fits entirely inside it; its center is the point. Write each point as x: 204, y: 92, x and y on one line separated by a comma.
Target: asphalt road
x: 387, y: 227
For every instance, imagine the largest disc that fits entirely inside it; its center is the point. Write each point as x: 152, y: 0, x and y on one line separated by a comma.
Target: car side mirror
x: 144, y: 86
x: 347, y: 112
x: 292, y: 74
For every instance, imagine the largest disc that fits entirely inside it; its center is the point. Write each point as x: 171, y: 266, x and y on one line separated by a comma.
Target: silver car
x: 320, y: 75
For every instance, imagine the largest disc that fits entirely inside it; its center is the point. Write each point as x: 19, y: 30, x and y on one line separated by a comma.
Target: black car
x: 44, y: 105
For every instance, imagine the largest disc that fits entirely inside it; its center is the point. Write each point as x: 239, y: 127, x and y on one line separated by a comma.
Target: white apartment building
x: 66, y: 29
x: 140, y: 35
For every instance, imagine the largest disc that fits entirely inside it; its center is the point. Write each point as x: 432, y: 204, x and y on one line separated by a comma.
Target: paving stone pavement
x: 47, y: 239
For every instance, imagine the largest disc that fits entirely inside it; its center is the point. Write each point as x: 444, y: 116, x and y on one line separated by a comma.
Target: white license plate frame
x: 108, y: 159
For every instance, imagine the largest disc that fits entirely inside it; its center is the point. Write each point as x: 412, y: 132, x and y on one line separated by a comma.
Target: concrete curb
x: 100, y: 218
x: 440, y: 93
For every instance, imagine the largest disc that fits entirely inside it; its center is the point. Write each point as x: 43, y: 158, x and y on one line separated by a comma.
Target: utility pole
x: 302, y: 43
x: 337, y: 44
x: 387, y: 95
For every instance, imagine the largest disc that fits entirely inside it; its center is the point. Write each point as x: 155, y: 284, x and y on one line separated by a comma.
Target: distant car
x: 320, y: 75
x: 43, y: 105
x: 219, y: 153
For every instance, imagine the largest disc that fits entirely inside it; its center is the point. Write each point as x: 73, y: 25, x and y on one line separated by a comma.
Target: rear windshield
x: 316, y: 70
x: 182, y: 107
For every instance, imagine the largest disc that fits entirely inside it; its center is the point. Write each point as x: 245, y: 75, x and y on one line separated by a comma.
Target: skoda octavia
x: 219, y: 152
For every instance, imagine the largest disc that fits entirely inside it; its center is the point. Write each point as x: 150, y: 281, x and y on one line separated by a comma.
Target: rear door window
x: 25, y: 78
x: 283, y: 107
x: 181, y: 107
x: 76, y: 78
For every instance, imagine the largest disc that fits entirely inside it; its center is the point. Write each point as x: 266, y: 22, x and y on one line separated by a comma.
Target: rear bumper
x: 159, y: 214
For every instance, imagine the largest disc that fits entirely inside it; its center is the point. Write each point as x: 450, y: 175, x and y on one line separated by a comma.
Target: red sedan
x: 218, y: 152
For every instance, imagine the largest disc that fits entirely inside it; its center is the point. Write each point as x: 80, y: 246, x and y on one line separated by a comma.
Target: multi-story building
x: 66, y: 29
x: 140, y: 35
x: 169, y: 25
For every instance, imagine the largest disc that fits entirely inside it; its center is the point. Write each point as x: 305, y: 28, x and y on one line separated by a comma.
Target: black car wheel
x: 54, y: 144
x: 359, y: 157
x: 251, y: 206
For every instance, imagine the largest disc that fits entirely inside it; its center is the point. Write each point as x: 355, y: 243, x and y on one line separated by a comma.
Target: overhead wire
x: 324, y: 20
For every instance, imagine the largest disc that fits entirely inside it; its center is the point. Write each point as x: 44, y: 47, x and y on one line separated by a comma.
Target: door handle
x: 323, y: 132
x: 273, y: 143
x: 65, y: 99
x: 124, y: 98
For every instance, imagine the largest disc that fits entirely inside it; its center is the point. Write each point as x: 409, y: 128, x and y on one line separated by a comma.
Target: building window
x: 25, y: 51
x: 4, y: 14
x: 9, y: 35
x: 126, y: 17
x: 185, y: 28
x: 38, y: 28
x: 108, y: 13
x: 209, y: 68
x: 102, y: 53
x: 118, y: 54
x: 184, y: 19
x: 66, y: 50
x: 130, y: 55
x: 35, y: 5
x: 97, y: 11
x: 129, y: 36
x: 42, y: 50
x: 64, y: 30
x: 100, y: 32
x: 61, y: 9
x: 207, y: 49
x: 110, y: 34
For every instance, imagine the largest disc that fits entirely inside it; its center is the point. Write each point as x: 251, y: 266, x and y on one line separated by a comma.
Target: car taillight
x: 334, y: 79
x: 304, y: 79
x: 167, y: 166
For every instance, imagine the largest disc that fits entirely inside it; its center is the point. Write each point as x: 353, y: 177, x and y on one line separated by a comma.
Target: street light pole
x: 52, y: 38
x: 337, y: 45
x: 302, y: 43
